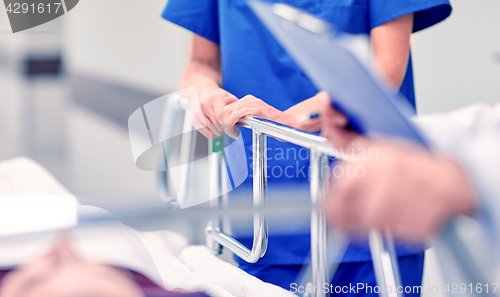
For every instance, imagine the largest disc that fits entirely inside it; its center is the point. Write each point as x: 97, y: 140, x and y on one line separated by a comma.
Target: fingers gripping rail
x: 383, y: 254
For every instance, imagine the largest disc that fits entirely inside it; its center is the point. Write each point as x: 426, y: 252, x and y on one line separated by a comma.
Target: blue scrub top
x: 254, y: 63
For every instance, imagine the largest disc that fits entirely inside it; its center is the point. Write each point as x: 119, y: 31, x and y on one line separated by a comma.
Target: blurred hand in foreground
x: 403, y: 188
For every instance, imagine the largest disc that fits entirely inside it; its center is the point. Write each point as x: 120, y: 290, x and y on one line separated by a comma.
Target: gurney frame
x: 382, y: 248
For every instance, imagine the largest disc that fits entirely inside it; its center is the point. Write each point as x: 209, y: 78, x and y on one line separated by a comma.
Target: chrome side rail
x: 319, y: 226
x: 385, y: 264
x: 216, y: 238
x: 176, y: 106
x: 387, y: 273
x: 320, y: 144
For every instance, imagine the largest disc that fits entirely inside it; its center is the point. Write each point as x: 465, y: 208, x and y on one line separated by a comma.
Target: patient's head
x: 61, y: 273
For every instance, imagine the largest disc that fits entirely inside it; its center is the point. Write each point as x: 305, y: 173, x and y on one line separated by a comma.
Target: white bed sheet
x: 195, y: 268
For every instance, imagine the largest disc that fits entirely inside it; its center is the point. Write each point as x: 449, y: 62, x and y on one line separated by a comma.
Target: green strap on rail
x: 218, y: 144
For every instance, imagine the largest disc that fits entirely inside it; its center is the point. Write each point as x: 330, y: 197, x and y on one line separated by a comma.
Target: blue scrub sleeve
x: 198, y: 16
x: 426, y: 13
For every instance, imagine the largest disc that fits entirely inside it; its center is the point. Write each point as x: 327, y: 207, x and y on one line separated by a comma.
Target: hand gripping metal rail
x: 382, y: 249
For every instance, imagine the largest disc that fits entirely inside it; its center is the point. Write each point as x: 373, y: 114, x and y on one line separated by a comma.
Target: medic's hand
x: 333, y: 127
x: 249, y: 105
x: 207, y: 116
x: 403, y: 188
x: 313, y: 105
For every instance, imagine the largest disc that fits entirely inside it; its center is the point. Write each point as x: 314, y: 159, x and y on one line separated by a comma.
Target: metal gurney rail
x: 383, y: 254
x: 174, y: 111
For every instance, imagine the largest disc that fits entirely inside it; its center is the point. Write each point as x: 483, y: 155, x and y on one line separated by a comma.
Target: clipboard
x: 337, y: 64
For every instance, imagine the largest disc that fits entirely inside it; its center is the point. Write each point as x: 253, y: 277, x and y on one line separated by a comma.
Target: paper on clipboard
x: 333, y: 64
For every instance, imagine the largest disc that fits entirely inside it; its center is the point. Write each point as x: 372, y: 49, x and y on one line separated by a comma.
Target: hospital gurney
x: 167, y: 113
x: 382, y: 247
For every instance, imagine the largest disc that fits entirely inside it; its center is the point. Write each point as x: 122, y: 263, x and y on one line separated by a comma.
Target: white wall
x: 101, y: 162
x: 457, y: 62
x: 125, y: 41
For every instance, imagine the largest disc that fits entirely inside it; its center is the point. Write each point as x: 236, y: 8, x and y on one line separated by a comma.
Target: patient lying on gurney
x: 104, y: 259
x: 61, y: 272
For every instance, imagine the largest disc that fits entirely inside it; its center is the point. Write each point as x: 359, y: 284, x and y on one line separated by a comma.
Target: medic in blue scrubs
x: 233, y: 55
